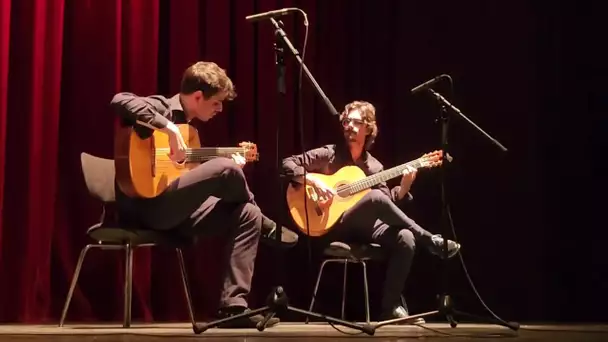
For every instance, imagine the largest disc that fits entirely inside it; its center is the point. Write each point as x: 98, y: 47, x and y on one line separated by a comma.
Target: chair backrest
x: 99, y: 174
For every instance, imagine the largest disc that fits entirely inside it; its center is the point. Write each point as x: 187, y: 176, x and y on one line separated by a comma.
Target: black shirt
x: 146, y: 113
x: 330, y: 158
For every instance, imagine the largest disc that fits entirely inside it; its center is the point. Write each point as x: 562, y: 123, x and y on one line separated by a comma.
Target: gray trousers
x: 211, y: 199
x: 376, y: 219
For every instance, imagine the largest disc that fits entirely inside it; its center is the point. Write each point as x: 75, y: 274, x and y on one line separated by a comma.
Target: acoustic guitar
x: 350, y: 185
x: 143, y: 166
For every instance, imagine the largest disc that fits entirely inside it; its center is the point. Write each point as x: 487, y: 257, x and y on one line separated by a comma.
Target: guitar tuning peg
x: 449, y: 157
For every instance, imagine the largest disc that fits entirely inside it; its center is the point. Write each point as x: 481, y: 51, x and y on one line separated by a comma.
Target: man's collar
x: 345, y: 151
x: 175, y: 106
x: 364, y: 156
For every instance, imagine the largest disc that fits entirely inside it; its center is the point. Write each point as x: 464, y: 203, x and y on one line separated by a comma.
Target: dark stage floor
x: 304, y: 332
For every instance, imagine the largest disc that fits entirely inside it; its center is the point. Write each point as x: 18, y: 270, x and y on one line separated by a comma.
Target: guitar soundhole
x: 340, y: 195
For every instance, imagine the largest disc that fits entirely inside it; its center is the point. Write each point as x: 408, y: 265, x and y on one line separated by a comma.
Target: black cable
x: 303, y: 148
x: 451, y: 223
x: 302, y: 145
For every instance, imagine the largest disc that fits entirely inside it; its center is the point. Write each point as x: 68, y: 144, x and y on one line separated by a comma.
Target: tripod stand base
x: 202, y: 327
x: 446, y: 308
x: 277, y: 301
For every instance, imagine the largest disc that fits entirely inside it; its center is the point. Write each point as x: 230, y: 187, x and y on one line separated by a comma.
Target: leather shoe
x: 269, y: 231
x: 401, y: 312
x: 437, y: 246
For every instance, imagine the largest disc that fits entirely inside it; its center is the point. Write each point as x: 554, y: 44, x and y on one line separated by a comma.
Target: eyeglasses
x: 355, y: 122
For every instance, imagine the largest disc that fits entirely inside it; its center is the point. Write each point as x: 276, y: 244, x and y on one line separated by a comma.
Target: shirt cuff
x: 297, y: 171
x: 160, y: 121
x: 406, y: 198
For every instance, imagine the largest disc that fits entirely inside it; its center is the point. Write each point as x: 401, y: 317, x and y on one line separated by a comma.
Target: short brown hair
x: 368, y: 114
x: 209, y: 78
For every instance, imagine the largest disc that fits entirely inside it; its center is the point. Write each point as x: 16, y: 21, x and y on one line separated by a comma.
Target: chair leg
x: 314, y: 294
x: 128, y: 286
x: 68, y: 299
x: 366, y: 291
x: 344, y: 286
x: 182, y: 267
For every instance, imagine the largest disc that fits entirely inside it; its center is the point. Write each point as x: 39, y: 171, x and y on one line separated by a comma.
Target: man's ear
x: 198, y: 95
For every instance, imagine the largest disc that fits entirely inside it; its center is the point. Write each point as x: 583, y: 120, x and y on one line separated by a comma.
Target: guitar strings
x: 198, y: 154
x: 371, y: 179
x: 205, y: 151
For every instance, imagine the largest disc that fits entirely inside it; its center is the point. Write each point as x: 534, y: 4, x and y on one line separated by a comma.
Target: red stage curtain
x: 62, y: 61
x: 5, y: 23
x: 32, y: 57
x: 60, y: 64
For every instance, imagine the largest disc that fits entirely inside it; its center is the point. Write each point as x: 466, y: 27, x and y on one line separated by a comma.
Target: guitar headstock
x: 433, y: 159
x: 250, y: 151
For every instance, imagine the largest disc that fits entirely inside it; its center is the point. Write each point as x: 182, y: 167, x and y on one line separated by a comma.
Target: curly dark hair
x: 368, y: 114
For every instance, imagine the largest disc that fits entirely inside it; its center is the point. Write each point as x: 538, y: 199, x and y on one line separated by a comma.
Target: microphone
x: 270, y: 14
x: 428, y: 83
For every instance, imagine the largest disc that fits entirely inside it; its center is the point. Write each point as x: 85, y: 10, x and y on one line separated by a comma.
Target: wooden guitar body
x: 320, y: 220
x: 143, y: 166
x: 350, y: 185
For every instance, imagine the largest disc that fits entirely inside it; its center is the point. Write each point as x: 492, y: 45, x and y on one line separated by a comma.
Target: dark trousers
x: 211, y: 199
x: 376, y: 219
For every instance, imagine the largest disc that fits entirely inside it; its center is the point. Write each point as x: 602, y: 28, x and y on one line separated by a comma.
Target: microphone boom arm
x: 446, y: 103
x: 281, y: 34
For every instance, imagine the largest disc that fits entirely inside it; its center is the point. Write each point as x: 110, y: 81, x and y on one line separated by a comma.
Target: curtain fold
x: 5, y: 25
x: 32, y: 113
x: 62, y: 61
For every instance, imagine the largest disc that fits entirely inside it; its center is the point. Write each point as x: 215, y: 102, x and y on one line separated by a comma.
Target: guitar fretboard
x: 205, y: 153
x: 379, y: 177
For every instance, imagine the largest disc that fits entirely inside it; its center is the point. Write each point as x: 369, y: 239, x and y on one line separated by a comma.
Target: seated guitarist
x: 377, y: 217
x: 211, y: 198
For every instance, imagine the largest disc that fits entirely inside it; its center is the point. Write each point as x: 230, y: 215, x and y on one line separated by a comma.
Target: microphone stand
x: 277, y: 301
x: 445, y: 302
x: 282, y: 39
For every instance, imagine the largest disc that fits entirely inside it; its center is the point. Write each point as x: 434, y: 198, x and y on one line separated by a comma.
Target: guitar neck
x: 201, y: 154
x: 375, y: 179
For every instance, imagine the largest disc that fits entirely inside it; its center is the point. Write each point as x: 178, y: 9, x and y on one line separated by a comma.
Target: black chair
x: 99, y: 174
x: 344, y: 253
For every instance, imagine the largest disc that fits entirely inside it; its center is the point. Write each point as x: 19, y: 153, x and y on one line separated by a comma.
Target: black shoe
x: 242, y: 323
x: 269, y: 231
x: 437, y: 246
x: 401, y: 312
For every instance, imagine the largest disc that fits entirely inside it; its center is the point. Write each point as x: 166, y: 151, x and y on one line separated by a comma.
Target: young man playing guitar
x: 377, y: 217
x: 211, y: 197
